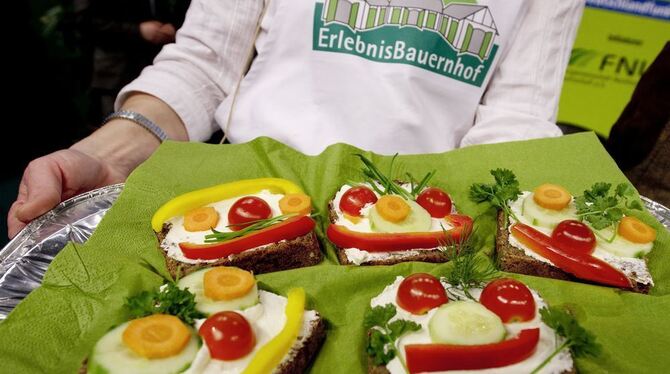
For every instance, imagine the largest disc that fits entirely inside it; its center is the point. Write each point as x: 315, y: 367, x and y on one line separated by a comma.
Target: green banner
x: 616, y: 42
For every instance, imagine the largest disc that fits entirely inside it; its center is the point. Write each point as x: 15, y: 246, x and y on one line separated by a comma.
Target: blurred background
x: 68, y: 58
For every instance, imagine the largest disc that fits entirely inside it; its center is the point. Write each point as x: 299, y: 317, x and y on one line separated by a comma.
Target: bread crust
x: 304, y: 350
x: 514, y: 260
x: 288, y: 254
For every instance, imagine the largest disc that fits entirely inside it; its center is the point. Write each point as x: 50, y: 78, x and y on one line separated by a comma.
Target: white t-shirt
x: 407, y: 76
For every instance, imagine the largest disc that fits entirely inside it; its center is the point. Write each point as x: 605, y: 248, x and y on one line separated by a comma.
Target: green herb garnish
x: 468, y: 271
x: 218, y: 236
x: 171, y: 300
x: 383, y: 335
x: 385, y: 185
x: 580, y: 342
x: 603, y: 209
x: 500, y: 193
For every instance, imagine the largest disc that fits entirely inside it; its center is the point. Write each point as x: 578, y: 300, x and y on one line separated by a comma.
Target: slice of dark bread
x: 288, y: 254
x: 514, y: 260
x: 301, y: 355
x: 304, y: 350
x: 424, y: 255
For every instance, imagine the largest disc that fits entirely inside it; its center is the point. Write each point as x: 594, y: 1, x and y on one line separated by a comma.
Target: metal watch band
x: 140, y: 120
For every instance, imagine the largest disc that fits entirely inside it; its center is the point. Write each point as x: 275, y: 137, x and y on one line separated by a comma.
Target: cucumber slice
x: 110, y: 355
x: 418, y: 220
x: 194, y: 283
x: 544, y: 217
x: 465, y: 323
x: 620, y: 246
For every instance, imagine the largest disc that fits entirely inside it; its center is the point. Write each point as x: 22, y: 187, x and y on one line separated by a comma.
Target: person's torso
x: 389, y: 76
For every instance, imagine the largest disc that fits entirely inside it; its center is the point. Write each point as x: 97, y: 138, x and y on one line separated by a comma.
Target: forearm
x: 125, y: 144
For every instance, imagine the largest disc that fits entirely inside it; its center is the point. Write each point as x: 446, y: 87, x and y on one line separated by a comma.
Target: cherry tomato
x: 510, y: 299
x: 355, y: 198
x: 435, y: 201
x: 228, y: 336
x: 420, y: 292
x: 574, y: 236
x: 247, y: 210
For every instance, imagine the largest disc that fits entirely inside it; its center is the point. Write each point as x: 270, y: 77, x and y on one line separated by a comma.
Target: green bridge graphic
x: 468, y: 28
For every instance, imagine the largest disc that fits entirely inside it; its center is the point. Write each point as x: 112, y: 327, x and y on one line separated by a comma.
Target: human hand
x: 156, y: 32
x: 105, y: 157
x: 53, y: 178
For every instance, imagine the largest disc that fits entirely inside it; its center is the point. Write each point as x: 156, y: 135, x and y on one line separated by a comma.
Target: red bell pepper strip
x: 387, y: 242
x: 581, y: 265
x: 288, y: 229
x: 441, y: 357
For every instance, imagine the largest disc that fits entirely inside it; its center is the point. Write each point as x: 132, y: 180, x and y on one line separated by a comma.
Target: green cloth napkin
x: 82, y: 295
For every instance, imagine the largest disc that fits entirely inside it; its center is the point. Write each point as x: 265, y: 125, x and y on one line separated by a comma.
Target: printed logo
x: 456, y: 40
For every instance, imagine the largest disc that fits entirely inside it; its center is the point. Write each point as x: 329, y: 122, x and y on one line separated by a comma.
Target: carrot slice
x: 227, y: 283
x: 392, y: 208
x: 156, y: 336
x: 295, y: 203
x: 636, y: 231
x: 201, y: 219
x: 352, y: 219
x: 552, y: 196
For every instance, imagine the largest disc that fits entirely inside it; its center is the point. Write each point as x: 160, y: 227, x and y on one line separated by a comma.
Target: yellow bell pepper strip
x: 271, y: 354
x: 195, y: 199
x: 288, y: 229
x: 387, y: 242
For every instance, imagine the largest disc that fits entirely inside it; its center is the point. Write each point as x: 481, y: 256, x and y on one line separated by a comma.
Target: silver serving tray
x: 24, y: 260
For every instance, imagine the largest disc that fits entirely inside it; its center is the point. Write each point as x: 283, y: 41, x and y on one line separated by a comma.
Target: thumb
x: 42, y: 186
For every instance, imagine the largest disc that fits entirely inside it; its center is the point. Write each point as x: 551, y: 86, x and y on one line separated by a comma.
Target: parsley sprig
x: 218, y: 236
x: 500, y: 193
x: 468, y: 271
x: 602, y: 208
x: 580, y: 342
x: 385, y: 185
x: 383, y: 335
x: 171, y: 300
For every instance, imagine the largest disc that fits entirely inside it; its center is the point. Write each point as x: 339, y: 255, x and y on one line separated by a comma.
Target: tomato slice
x: 228, y: 336
x: 356, y: 198
x: 441, y: 357
x: 246, y: 210
x: 572, y: 235
x: 435, y: 201
x: 580, y: 265
x: 387, y: 242
x: 420, y: 292
x: 288, y: 229
x: 510, y: 299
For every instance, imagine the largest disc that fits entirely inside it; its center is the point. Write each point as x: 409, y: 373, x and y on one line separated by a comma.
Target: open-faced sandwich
x: 380, y: 221
x: 421, y: 324
x: 212, y: 321
x: 548, y: 232
x: 261, y: 225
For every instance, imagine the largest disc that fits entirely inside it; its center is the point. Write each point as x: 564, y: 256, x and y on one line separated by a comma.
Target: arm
x: 196, y: 73
x: 105, y: 157
x: 521, y: 100
x: 180, y: 93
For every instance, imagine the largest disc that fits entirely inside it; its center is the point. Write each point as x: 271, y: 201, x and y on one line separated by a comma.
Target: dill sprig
x: 468, y: 271
x: 384, y: 185
x: 218, y: 236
